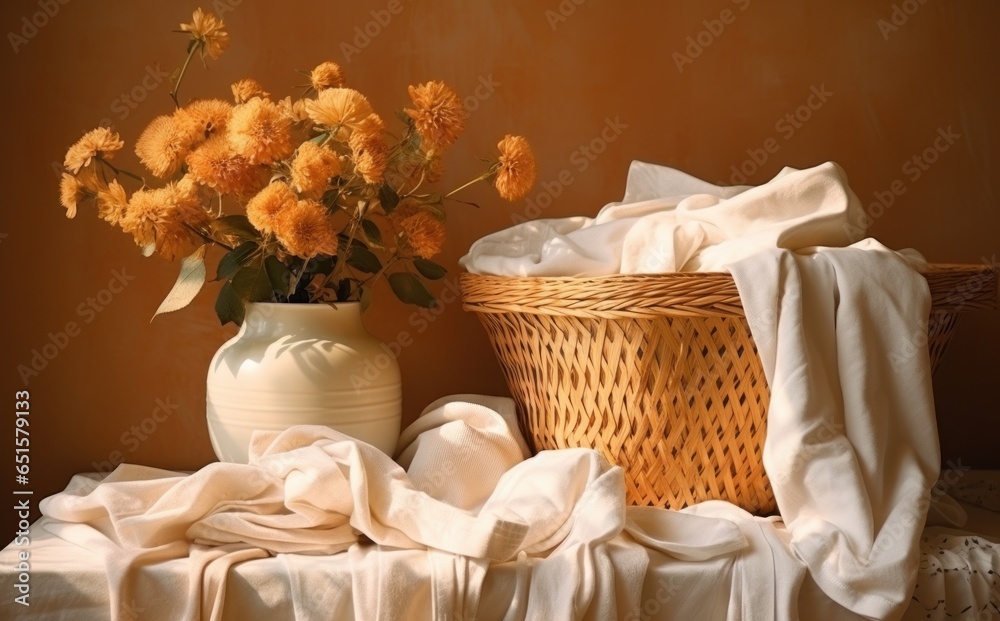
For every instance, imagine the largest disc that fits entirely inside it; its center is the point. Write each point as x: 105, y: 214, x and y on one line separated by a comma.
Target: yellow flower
x: 112, y: 203
x: 439, y: 116
x: 216, y: 164
x: 100, y: 142
x: 371, y: 156
x: 305, y: 230
x: 326, y: 75
x: 76, y: 189
x: 312, y: 169
x: 260, y: 132
x: 342, y: 110
x: 263, y: 210
x: 247, y: 89
x: 164, y: 217
x: 295, y: 111
x: 202, y: 118
x: 208, y: 30
x: 516, y: 173
x: 162, y: 146
x: 424, y: 234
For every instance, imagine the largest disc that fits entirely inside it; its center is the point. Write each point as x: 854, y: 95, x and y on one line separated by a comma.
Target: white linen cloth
x: 560, y: 516
x: 852, y: 447
x: 669, y: 221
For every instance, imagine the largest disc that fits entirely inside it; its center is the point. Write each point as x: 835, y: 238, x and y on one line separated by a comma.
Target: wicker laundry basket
x: 659, y: 372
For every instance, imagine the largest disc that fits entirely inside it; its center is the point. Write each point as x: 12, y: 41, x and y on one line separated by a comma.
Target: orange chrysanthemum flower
x: 312, y: 169
x: 209, y: 31
x: 439, y: 116
x: 164, y: 217
x: 112, y: 203
x: 371, y: 156
x: 202, y: 119
x: 342, y: 110
x: 260, y: 131
x: 516, y: 172
x: 162, y: 146
x: 263, y: 210
x: 73, y: 190
x: 216, y: 164
x: 100, y: 142
x: 423, y: 233
x: 326, y: 75
x: 247, y: 89
x: 305, y: 230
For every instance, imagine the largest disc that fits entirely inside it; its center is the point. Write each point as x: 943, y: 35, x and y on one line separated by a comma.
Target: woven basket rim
x: 954, y: 287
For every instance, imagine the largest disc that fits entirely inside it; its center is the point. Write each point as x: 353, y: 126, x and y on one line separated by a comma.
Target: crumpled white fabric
x: 420, y: 540
x: 669, y: 221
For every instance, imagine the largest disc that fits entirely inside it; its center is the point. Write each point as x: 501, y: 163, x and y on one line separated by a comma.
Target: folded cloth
x: 669, y: 221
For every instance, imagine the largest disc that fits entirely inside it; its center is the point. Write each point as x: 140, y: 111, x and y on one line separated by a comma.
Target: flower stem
x: 119, y: 171
x: 207, y: 238
x: 485, y: 175
x: 177, y: 84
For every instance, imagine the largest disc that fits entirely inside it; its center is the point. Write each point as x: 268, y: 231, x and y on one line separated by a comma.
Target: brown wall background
x: 560, y: 71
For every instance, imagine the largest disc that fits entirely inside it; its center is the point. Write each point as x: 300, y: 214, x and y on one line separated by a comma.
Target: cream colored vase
x: 302, y: 364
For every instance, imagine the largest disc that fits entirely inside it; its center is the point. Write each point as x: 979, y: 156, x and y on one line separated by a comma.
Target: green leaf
x: 228, y: 306
x: 388, y: 198
x: 237, y: 226
x: 320, y: 138
x: 410, y: 290
x: 364, y: 260
x: 278, y: 275
x: 234, y: 260
x: 321, y: 265
x: 252, y: 283
x: 429, y: 269
x: 344, y: 290
x: 189, y: 283
x: 372, y: 232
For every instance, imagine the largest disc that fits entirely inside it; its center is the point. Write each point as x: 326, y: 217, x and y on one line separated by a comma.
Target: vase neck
x: 270, y: 319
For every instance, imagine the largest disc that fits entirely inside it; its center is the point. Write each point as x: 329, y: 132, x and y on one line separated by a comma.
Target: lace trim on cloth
x: 959, y: 577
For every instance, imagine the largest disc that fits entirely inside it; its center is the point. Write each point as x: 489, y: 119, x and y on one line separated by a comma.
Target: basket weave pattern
x: 659, y: 373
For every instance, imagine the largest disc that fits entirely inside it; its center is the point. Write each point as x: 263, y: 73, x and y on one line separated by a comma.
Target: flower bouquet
x: 312, y: 199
